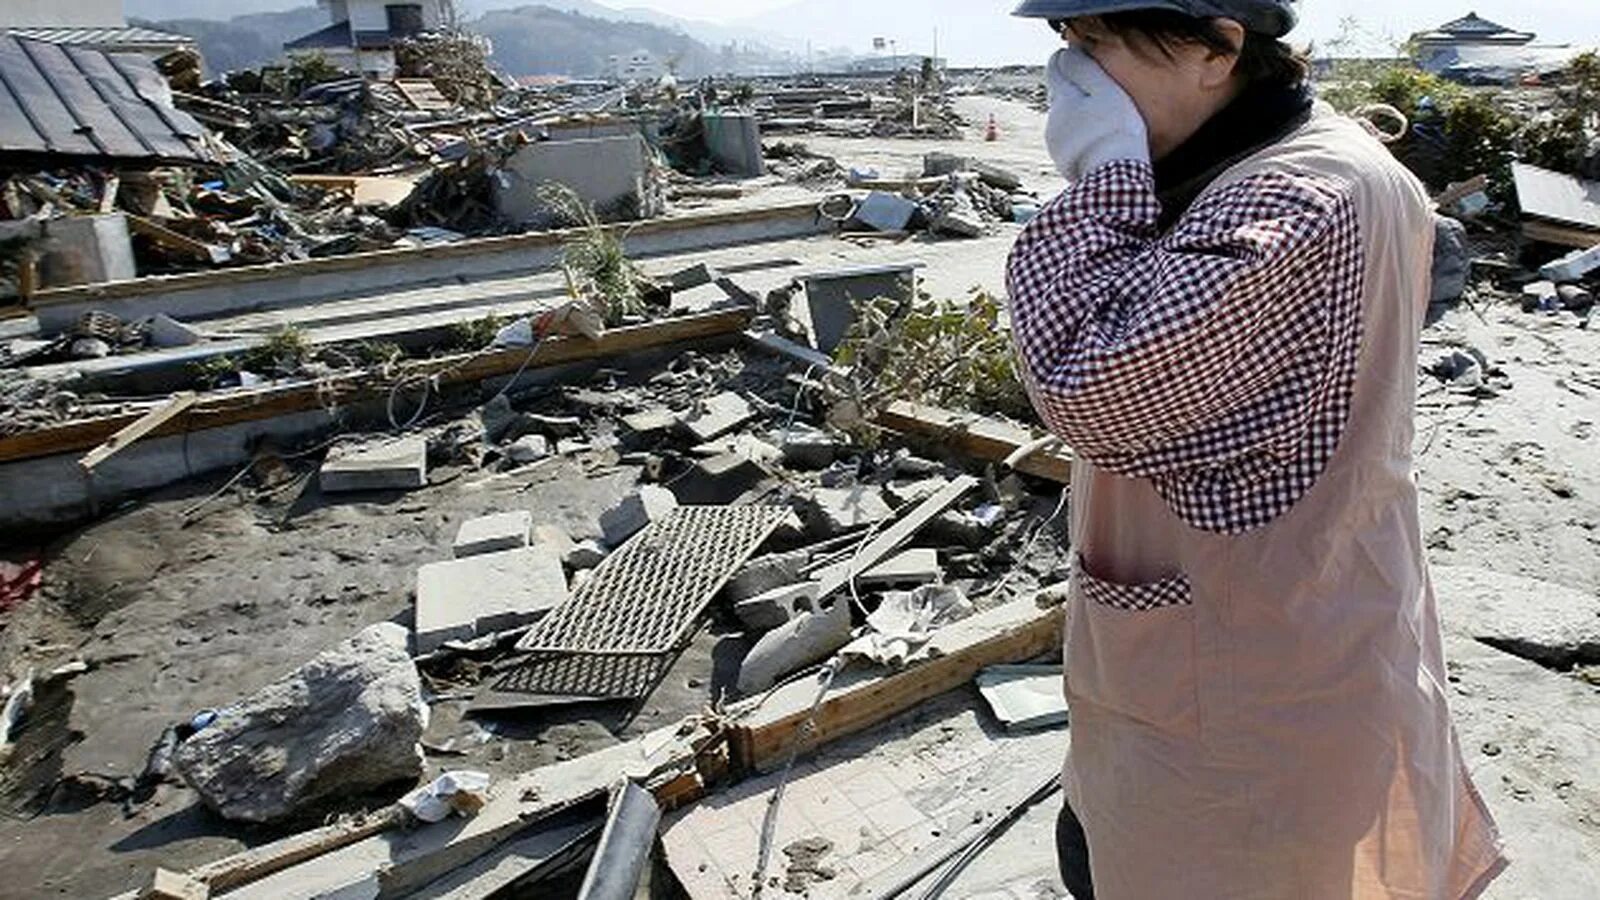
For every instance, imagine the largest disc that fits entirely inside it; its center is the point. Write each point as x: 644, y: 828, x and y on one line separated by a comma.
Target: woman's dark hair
x: 1262, y: 59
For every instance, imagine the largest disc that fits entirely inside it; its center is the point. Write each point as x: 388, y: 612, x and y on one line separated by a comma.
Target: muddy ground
x: 178, y: 616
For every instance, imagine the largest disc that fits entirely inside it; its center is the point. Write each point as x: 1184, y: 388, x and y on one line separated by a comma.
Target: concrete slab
x: 829, y: 511
x: 718, y: 415
x: 492, y: 534
x: 608, y: 173
x: 648, y: 504
x: 919, y: 565
x: 734, y: 142
x: 392, y: 465
x: 466, y: 598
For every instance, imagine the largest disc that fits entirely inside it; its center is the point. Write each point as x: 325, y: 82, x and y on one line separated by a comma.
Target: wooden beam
x: 1563, y: 235
x: 259, y: 862
x: 216, y: 411
x: 137, y: 429
x: 765, y: 730
x: 979, y: 437
x: 181, y: 243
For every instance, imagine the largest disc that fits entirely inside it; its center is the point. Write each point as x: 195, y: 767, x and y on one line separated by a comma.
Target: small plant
x: 285, y: 352
x: 944, y: 353
x: 214, y: 371
x: 593, y: 258
x: 476, y: 333
x: 307, y: 70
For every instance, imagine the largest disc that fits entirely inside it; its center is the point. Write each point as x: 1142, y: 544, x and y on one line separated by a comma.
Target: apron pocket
x: 1130, y: 650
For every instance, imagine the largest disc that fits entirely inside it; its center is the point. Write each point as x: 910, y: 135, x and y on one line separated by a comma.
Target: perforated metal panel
x: 644, y: 596
x: 617, y: 634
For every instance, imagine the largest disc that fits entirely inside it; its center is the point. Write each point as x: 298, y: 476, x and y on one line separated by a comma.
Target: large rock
x: 1537, y: 620
x: 344, y: 723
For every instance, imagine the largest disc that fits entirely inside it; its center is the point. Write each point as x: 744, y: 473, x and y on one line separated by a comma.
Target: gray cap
x: 1273, y: 18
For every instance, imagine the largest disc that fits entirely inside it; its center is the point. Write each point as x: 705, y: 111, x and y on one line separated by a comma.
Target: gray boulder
x: 346, y: 722
x: 1536, y: 620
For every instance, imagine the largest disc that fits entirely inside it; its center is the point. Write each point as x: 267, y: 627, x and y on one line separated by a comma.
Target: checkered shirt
x: 1217, y: 360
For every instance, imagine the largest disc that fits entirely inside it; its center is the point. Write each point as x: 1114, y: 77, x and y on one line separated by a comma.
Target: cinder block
x: 635, y: 511
x: 392, y: 465
x: 491, y: 534
x: 466, y: 598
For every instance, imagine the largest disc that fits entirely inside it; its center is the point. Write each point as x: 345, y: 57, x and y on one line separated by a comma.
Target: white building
x: 363, y: 33
x: 640, y: 65
x: 97, y: 24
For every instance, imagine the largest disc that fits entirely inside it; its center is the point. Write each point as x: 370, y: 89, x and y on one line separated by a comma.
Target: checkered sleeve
x: 1218, y: 359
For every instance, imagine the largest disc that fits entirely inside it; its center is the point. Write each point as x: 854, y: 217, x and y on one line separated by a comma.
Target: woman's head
x: 1179, y: 69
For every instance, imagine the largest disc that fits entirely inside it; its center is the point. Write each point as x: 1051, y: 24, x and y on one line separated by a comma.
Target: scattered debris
x: 1024, y: 697
x: 486, y: 593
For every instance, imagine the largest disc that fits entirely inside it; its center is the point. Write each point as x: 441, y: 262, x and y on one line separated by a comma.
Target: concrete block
x: 165, y: 331
x: 940, y: 163
x: 466, y: 598
x: 808, y: 638
x: 734, y: 142
x: 773, y: 608
x: 86, y: 250
x: 766, y: 573
x: 170, y: 885
x: 995, y: 176
x: 832, y: 511
x: 831, y: 298
x: 805, y: 447
x: 693, y: 277
x: 609, y: 173
x: 584, y: 555
x: 392, y: 465
x: 902, y: 492
x: 885, y: 212
x: 528, y: 449
x: 553, y: 538
x: 720, y: 480
x: 1573, y: 266
x: 718, y: 415
x: 492, y: 534
x: 648, y: 504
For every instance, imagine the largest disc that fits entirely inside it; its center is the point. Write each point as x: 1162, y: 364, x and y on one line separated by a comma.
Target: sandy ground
x: 182, y: 618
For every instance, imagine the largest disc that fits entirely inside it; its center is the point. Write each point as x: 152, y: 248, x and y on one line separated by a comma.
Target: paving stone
x: 491, y: 534
x: 393, y: 465
x: 831, y: 511
x: 528, y: 449
x: 719, y: 480
x: 648, y: 504
x: 553, y: 538
x: 718, y: 415
x: 466, y: 598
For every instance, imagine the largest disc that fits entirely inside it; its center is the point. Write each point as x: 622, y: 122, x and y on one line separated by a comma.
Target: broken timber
x: 767, y: 729
x: 137, y: 429
x: 978, y: 437
x: 245, y: 406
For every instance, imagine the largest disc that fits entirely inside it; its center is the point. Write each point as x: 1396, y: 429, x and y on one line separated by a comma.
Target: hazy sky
x: 1556, y: 21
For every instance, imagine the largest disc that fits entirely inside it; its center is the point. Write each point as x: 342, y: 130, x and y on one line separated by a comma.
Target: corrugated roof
x: 63, y: 100
x: 130, y: 36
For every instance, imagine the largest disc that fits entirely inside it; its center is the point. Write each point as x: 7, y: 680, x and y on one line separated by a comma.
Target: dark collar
x: 1262, y: 115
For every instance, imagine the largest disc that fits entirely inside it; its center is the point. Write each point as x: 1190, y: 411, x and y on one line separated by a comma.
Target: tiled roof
x: 130, y: 36
x: 65, y: 100
x: 335, y: 35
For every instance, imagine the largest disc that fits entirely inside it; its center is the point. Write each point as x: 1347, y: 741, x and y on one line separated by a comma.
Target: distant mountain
x: 209, y: 10
x: 538, y: 40
x: 247, y: 41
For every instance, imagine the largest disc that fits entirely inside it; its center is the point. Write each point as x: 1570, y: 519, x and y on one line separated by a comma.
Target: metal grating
x: 617, y: 634
x: 587, y: 675
x: 645, y: 596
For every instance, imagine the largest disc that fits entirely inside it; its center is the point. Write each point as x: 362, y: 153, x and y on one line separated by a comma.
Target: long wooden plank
x: 145, y: 424
x: 978, y: 437
x: 766, y: 730
x: 215, y: 411
x: 1563, y: 235
x: 878, y: 549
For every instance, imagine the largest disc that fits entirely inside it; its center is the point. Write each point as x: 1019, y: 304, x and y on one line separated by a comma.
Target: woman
x: 1220, y: 315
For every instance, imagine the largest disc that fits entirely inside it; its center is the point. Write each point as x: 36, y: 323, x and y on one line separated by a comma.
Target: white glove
x: 1092, y: 120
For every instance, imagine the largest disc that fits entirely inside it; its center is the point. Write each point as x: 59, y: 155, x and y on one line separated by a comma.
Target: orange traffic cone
x: 992, y: 133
